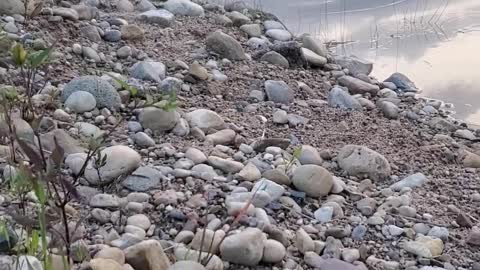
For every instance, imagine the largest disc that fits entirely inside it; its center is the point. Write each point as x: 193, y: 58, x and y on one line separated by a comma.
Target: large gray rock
x: 158, y: 120
x: 360, y: 161
x: 402, y: 82
x: 314, y: 180
x: 81, y: 102
x: 275, y: 58
x: 338, y: 98
x: 314, y: 59
x: 11, y: 7
x: 148, y: 70
x: 238, y: 18
x: 225, y: 45
x: 205, y: 119
x: 278, y: 92
x: 104, y: 93
x: 357, y: 86
x: 244, y: 248
x: 184, y: 8
x: 161, y: 17
x: 114, y: 166
x: 147, y: 255
x: 389, y: 109
x: 310, y: 43
x: 252, y: 30
x: 355, y: 65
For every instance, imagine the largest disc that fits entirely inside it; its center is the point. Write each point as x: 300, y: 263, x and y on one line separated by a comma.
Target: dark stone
x: 177, y: 214
x: 464, y: 221
x: 292, y: 51
x: 261, y: 145
x: 143, y: 179
x: 8, y: 240
x: 402, y: 82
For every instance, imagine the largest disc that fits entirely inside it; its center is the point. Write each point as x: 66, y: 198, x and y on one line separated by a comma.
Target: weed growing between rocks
x: 30, y: 64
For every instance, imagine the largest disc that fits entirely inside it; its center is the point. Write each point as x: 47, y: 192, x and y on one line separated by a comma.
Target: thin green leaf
x: 133, y: 91
x: 36, y: 59
x: 122, y: 83
x: 297, y: 152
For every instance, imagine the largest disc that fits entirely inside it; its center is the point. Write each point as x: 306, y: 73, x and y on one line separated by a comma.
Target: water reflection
x: 435, y: 42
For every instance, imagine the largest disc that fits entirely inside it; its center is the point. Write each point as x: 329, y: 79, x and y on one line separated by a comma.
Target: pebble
x: 303, y: 241
x: 139, y: 220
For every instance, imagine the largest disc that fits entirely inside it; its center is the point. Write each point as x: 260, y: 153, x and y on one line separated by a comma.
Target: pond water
x: 434, y: 42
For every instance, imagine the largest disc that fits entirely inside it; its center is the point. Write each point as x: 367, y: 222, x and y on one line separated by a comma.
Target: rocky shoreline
x: 226, y: 143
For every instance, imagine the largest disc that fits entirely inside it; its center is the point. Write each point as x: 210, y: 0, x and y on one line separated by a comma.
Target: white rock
x: 279, y: 34
x: 273, y: 251
x: 139, y: 220
x: 114, y: 166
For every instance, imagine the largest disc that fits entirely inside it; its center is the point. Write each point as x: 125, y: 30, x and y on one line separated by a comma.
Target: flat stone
x: 160, y: 17
x: 143, y: 179
x: 412, y: 181
x: 357, y: 86
x: 279, y: 92
x: 360, y: 160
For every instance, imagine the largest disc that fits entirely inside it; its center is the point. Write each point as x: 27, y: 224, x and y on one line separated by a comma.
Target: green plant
x: 29, y: 63
x: 164, y: 102
x: 291, y: 159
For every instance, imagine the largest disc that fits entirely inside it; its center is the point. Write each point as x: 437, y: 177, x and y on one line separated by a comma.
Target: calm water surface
x: 434, y: 42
